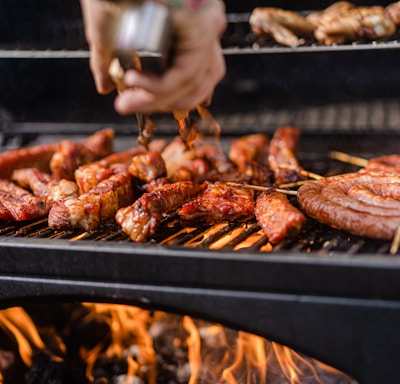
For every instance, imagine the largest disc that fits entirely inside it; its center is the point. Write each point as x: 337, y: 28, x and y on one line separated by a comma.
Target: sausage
x: 277, y: 217
x: 363, y: 203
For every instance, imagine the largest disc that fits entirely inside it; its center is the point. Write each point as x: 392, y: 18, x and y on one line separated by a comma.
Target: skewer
x: 346, y: 158
x: 260, y: 188
x: 295, y: 184
x: 303, y: 172
x: 394, y: 247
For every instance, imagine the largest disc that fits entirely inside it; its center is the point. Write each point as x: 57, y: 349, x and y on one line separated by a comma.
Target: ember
x: 111, y: 343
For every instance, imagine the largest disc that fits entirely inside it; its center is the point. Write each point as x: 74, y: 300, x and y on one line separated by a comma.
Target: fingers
x: 190, y: 82
x: 100, y: 61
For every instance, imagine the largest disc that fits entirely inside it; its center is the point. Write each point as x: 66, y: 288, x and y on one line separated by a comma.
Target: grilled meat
x: 140, y: 220
x: 43, y: 185
x: 89, y: 175
x: 96, y: 206
x: 18, y: 204
x: 390, y: 163
x: 217, y: 203
x: 148, y: 166
x: 71, y: 155
x: 393, y: 11
x: 285, y: 27
x: 277, y: 217
x: 250, y: 154
x: 38, y: 156
x: 343, y: 22
x: 365, y: 203
x: 282, y: 159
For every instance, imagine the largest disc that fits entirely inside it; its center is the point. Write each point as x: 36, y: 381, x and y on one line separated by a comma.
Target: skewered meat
x: 277, y: 217
x: 71, y: 155
x: 44, y: 186
x: 285, y: 27
x: 249, y: 148
x: 89, y: 175
x: 344, y: 22
x: 18, y: 204
x: 365, y: 203
x: 281, y: 158
x: 97, y: 206
x: 148, y: 166
x: 140, y: 220
x: 38, y: 156
x: 218, y: 202
x: 250, y: 154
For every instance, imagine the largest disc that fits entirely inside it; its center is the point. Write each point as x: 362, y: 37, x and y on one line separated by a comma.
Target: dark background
x: 63, y: 90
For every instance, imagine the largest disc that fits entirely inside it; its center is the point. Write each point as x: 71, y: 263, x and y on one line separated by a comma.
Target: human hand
x: 100, y: 20
x: 197, y: 66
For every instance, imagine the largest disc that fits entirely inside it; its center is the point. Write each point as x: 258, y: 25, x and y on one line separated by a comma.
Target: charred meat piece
x: 71, y: 155
x: 38, y: 156
x: 282, y: 158
x: 148, y: 166
x: 89, y: 175
x: 18, y: 204
x: 97, y: 206
x: 250, y: 154
x: 393, y: 11
x: 43, y: 185
x: 285, y: 27
x: 277, y: 217
x: 217, y: 203
x: 343, y: 22
x: 140, y: 220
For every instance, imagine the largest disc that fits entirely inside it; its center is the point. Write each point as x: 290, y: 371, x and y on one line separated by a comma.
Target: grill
x: 325, y: 293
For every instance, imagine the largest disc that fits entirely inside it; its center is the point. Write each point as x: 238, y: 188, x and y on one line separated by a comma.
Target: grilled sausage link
x: 364, y: 203
x: 277, y: 217
x: 38, y: 156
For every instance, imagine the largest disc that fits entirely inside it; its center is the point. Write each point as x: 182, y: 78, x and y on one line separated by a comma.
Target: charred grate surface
x: 315, y: 239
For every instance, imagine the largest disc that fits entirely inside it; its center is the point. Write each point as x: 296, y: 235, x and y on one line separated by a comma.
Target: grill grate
x: 244, y: 236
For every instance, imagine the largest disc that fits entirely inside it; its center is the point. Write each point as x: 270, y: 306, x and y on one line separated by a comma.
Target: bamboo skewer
x: 261, y: 188
x: 346, y: 158
x: 395, y: 242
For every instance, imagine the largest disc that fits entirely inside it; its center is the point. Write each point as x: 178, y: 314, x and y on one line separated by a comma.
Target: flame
x: 128, y: 326
x: 229, y: 356
x: 19, y: 324
x: 193, y: 342
x: 251, y: 352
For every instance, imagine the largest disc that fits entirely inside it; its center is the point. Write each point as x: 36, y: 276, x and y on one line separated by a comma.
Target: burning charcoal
x: 45, y: 370
x: 108, y: 369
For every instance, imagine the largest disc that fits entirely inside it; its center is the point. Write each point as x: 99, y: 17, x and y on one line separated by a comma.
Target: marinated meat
x: 43, y: 185
x: 71, y: 155
x: 18, y: 204
x: 285, y: 27
x: 217, y: 203
x: 282, y: 155
x: 96, y: 206
x: 147, y: 167
x: 277, y: 217
x: 141, y: 220
x: 38, y: 156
